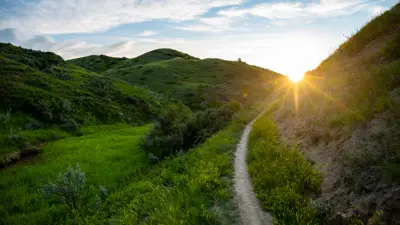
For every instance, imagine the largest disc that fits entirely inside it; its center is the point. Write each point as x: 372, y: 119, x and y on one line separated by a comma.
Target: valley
x: 169, y: 138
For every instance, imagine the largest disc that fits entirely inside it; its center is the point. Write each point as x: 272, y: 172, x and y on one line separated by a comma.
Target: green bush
x: 71, y: 190
x: 175, y: 132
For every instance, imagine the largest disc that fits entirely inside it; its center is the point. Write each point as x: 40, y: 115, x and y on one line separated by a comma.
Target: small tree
x: 70, y: 189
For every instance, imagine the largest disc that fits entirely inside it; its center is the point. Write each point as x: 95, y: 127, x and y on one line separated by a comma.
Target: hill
x: 345, y: 117
x: 96, y: 63
x: 42, y: 97
x: 200, y: 83
x: 101, y: 63
x: 197, y: 83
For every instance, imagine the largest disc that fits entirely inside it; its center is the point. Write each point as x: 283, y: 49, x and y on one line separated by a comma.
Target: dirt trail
x: 248, y: 204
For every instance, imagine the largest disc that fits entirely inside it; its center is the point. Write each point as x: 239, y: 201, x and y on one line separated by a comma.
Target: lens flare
x: 296, y: 77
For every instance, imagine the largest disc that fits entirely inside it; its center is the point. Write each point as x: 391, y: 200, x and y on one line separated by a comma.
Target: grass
x: 283, y: 179
x: 199, y: 83
x: 96, y: 63
x: 191, y: 188
x: 108, y: 154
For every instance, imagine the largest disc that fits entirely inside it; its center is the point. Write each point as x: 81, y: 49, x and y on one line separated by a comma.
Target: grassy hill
x: 97, y: 63
x: 345, y: 118
x: 43, y: 97
x: 197, y: 83
x: 200, y: 83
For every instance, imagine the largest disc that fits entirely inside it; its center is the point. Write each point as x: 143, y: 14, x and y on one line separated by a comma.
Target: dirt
x: 249, y: 207
x: 326, y: 148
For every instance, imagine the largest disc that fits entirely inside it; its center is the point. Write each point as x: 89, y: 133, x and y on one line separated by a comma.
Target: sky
x: 289, y: 37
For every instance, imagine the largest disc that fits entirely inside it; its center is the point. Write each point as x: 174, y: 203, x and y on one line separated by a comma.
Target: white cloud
x: 77, y: 16
x: 209, y: 24
x: 147, y: 33
x: 296, y: 10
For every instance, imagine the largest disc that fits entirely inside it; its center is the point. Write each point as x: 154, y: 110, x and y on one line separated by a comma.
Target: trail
x: 248, y: 204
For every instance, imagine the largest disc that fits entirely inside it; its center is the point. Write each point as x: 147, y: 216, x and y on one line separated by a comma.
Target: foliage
x: 199, y: 84
x: 109, y: 154
x: 392, y: 50
x: 175, y: 132
x: 193, y: 188
x: 97, y: 63
x: 283, y: 186
x: 71, y: 189
x: 378, y: 163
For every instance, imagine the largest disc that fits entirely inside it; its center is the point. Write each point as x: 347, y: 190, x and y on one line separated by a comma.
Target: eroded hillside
x: 345, y: 117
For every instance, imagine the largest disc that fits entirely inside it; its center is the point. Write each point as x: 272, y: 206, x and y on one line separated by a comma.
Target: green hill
x: 97, y: 63
x: 197, y: 83
x: 41, y: 94
x: 200, y: 83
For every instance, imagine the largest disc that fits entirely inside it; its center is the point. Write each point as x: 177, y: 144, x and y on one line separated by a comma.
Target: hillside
x: 200, y: 83
x: 96, y: 63
x: 344, y: 117
x: 42, y: 97
x: 197, y: 83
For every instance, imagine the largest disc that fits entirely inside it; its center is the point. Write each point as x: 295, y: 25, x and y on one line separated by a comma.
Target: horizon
x: 269, y: 34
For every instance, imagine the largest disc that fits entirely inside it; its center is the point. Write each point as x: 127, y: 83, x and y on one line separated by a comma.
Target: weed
x: 282, y: 178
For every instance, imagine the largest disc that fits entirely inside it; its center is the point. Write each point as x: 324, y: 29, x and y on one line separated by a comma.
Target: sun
x: 296, y: 77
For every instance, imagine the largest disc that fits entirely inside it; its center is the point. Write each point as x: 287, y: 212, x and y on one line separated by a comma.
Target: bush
x: 175, y: 132
x: 71, y: 190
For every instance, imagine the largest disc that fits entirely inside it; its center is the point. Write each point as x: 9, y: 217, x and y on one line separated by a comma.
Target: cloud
x: 147, y: 33
x: 77, y: 16
x: 209, y: 24
x: 41, y: 42
x: 296, y: 10
x: 8, y: 35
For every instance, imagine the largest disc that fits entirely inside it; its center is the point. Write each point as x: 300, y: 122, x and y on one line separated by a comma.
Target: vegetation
x: 97, y: 63
x: 178, y: 132
x: 347, y: 113
x: 70, y: 189
x: 42, y: 98
x: 283, y: 179
x: 200, y: 84
x: 54, y: 114
x: 192, y: 188
x: 108, y: 154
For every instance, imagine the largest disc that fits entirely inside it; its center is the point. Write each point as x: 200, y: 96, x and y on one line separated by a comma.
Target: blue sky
x: 289, y: 36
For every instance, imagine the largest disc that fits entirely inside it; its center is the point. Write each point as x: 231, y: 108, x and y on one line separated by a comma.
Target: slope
x: 200, y: 83
x: 96, y: 63
x: 345, y: 118
x: 44, y: 98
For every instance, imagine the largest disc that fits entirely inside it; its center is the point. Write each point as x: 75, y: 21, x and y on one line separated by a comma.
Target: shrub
x: 173, y: 132
x: 71, y: 190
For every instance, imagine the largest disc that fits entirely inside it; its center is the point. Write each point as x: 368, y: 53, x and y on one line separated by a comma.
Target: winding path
x: 248, y: 204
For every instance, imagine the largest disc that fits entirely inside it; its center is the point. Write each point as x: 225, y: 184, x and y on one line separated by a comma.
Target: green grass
x: 191, y: 188
x: 283, y: 179
x: 96, y: 63
x: 108, y: 154
x: 200, y: 83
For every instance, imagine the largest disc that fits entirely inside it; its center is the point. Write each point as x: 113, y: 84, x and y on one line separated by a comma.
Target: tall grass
x: 283, y: 179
